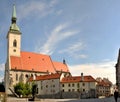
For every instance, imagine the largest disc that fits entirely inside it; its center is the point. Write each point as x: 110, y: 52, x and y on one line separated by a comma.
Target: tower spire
x: 14, y: 17
x: 14, y: 28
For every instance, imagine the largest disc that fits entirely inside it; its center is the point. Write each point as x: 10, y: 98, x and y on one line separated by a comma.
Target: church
x: 21, y: 65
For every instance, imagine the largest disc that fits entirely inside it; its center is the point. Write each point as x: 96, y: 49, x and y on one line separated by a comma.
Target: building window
x: 83, y: 90
x: 78, y: 85
x: 73, y: 90
x: 83, y: 84
x: 69, y: 90
x: 46, y: 86
x: 16, y: 77
x: 78, y: 90
x: 63, y: 90
x: 62, y: 85
x: 41, y: 87
x: 26, y: 76
x: 37, y: 90
x: 15, y: 43
x: 53, y: 85
x: 69, y: 85
x: 52, y: 80
x: 53, y: 91
x: 72, y: 85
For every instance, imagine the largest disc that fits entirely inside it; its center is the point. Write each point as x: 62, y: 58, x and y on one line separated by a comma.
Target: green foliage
x: 23, y: 89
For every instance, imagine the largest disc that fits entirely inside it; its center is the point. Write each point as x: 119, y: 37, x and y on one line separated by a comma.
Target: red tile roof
x: 30, y: 61
x: 60, y: 66
x: 78, y: 79
x: 46, y: 77
x: 103, y: 83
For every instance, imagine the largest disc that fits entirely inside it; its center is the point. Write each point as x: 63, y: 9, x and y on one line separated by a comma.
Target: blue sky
x: 83, y: 32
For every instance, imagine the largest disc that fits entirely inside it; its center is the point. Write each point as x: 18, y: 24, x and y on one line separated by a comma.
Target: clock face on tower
x: 14, y: 50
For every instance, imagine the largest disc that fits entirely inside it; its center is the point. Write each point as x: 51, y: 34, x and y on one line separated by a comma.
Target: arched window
x: 16, y: 77
x: 15, y: 43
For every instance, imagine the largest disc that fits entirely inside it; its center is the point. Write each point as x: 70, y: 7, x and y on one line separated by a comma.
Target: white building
x: 78, y: 86
x: 60, y: 86
x: 48, y: 85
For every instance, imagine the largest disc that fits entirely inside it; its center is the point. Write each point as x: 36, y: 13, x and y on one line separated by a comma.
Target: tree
x: 23, y: 89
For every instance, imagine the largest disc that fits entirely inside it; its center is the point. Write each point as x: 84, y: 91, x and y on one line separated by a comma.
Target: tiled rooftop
x: 30, y: 61
x: 78, y: 79
x: 46, y: 77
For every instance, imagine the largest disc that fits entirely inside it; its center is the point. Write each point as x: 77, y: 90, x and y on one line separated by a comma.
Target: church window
x: 31, y: 75
x: 16, y: 77
x: 15, y: 43
x: 26, y: 75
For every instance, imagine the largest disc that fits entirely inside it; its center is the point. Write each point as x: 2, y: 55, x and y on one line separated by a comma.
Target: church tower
x: 118, y: 72
x: 14, y: 37
x: 13, y: 47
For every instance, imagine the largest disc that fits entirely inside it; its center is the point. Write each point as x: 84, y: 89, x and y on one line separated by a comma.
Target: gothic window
x: 15, y: 43
x: 16, y: 77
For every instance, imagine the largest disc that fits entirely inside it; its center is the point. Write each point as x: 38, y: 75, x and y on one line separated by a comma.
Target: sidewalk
x: 111, y: 99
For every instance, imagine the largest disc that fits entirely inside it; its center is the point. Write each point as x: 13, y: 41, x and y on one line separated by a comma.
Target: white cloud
x: 73, y: 47
x: 36, y: 8
x: 57, y: 35
x: 74, y: 50
x: 104, y: 69
x: 2, y: 68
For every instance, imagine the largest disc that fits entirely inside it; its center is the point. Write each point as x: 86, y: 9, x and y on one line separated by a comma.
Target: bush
x: 23, y: 89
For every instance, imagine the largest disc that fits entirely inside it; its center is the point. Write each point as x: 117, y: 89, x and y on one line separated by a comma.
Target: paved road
x: 111, y: 99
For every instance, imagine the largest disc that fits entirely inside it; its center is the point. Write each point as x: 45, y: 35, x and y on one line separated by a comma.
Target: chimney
x: 64, y: 62
x: 82, y: 77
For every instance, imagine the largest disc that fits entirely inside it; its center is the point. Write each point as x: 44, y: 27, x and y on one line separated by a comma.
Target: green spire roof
x: 14, y: 27
x: 14, y: 12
